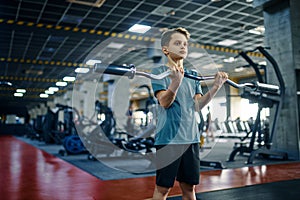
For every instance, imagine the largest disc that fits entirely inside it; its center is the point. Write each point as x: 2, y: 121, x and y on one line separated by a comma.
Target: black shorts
x: 185, y: 169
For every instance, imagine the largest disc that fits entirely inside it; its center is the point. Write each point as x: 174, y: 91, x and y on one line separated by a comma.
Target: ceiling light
x: 6, y: 83
x: 253, y: 31
x: 260, y: 30
x: 163, y: 11
x: 139, y: 28
x: 92, y: 62
x: 263, y: 63
x: 227, y: 42
x: 18, y: 94
x: 61, y: 83
x: 249, y: 1
x: 34, y: 72
x: 44, y: 95
x: 95, y: 3
x: 229, y: 60
x: 82, y: 70
x: 21, y: 91
x: 115, y: 45
x: 69, y: 78
x: 171, y: 13
x: 195, y: 55
x: 49, y: 92
x: 54, y: 89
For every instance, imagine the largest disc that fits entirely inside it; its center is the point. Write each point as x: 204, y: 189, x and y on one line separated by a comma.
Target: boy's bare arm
x: 202, y: 101
x: 167, y: 97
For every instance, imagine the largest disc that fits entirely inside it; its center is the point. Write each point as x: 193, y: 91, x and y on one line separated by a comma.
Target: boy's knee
x: 187, y: 188
x: 160, y: 193
x: 163, y: 190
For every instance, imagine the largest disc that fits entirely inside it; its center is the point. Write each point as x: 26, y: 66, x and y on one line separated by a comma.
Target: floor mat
x: 282, y: 190
x: 81, y: 161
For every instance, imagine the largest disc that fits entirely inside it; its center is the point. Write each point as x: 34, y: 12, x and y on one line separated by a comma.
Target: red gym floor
x: 29, y: 173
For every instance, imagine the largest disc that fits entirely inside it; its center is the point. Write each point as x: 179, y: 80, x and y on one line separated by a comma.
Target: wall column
x: 282, y: 35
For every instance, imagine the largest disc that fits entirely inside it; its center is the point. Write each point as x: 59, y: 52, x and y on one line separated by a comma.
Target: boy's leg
x: 188, y: 191
x: 166, y: 175
x: 160, y: 193
x: 189, y: 172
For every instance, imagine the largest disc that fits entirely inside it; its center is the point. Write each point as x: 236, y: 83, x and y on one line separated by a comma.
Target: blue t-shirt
x: 177, y: 124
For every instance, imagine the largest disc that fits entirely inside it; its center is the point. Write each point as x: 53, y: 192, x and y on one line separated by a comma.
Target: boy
x: 177, y: 130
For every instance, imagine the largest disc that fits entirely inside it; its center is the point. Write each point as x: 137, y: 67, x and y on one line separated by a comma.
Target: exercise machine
x: 71, y: 141
x: 142, y: 141
x: 51, y: 129
x: 62, y: 132
x: 262, y: 133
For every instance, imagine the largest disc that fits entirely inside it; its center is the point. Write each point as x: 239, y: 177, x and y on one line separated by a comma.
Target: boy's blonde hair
x: 166, y: 36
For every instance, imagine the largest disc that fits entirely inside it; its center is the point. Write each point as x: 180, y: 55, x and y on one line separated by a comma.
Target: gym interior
x: 78, y: 114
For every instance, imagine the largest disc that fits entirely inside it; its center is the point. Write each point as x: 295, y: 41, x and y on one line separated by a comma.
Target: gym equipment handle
x: 131, y: 72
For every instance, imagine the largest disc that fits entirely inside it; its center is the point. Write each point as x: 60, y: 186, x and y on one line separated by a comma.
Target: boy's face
x: 178, y: 46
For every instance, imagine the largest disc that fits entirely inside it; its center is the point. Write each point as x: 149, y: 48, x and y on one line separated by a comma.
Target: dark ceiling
x: 43, y: 41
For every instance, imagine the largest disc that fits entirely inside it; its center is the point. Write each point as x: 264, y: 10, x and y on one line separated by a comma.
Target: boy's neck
x: 172, y: 62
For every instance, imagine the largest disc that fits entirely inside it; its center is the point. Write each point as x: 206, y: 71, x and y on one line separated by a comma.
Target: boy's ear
x: 165, y: 50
